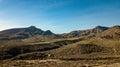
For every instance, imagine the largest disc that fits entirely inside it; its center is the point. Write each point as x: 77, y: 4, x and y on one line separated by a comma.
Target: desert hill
x: 111, y: 33
x: 22, y: 33
x: 33, y: 34
x: 78, y: 33
x: 100, y: 44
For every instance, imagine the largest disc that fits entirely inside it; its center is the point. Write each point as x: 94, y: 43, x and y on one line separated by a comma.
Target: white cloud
x: 6, y: 24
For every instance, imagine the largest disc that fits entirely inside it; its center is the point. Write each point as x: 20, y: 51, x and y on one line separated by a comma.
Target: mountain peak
x: 116, y: 26
x: 101, y: 27
x: 112, y: 33
x: 31, y: 27
x: 48, y: 32
x: 22, y: 33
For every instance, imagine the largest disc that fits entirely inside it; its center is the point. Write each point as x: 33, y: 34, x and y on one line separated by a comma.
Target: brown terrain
x: 33, y: 47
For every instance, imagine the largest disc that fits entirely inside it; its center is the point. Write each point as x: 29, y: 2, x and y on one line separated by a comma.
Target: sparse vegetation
x: 91, y: 50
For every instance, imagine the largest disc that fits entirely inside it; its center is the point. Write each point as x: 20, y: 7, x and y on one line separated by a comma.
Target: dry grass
x: 58, y: 63
x: 73, y: 52
x: 17, y: 47
x: 88, y: 48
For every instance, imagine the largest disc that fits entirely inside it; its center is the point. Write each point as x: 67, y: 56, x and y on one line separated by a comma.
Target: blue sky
x: 59, y: 16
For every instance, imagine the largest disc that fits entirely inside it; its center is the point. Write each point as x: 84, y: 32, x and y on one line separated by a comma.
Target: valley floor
x: 60, y: 63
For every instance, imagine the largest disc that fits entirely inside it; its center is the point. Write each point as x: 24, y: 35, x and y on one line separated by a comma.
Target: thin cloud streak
x: 6, y: 24
x: 61, y: 16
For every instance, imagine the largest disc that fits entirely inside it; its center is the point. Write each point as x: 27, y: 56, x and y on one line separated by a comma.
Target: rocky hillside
x: 33, y: 34
x: 102, y: 47
x: 111, y: 33
x: 22, y: 33
x: 78, y: 33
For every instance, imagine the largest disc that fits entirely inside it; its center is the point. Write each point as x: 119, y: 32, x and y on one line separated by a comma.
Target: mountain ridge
x: 37, y: 34
x: 88, y: 47
x: 78, y: 33
x: 22, y: 33
x: 112, y: 33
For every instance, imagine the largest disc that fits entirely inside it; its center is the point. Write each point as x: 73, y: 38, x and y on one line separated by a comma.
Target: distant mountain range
x: 22, y: 33
x: 33, y: 33
x: 78, y: 33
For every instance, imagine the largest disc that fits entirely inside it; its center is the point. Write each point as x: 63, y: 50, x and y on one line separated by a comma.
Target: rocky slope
x: 78, y: 33
x: 111, y: 33
x: 22, y: 33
